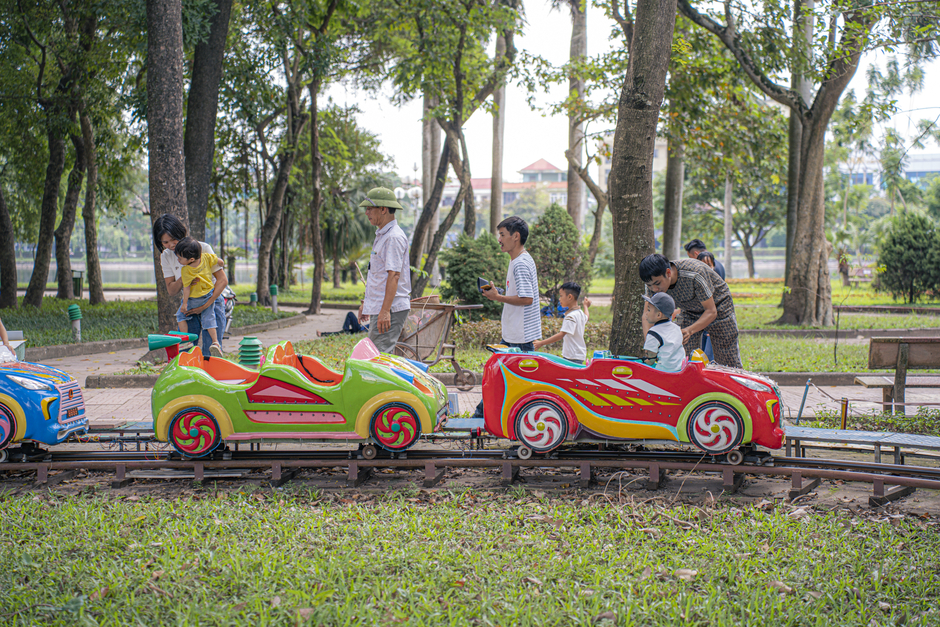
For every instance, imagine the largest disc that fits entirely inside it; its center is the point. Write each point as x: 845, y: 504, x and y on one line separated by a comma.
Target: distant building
x: 660, y: 152
x: 919, y: 169
x: 540, y: 174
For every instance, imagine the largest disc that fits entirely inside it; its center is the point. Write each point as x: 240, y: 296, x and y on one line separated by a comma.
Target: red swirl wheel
x: 395, y: 427
x: 715, y: 427
x: 194, y: 432
x: 7, y: 426
x: 541, y: 425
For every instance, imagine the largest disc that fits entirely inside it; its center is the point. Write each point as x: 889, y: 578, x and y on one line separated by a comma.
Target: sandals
x: 216, y: 350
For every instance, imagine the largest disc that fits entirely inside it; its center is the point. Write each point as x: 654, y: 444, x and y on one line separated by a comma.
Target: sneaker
x: 216, y: 350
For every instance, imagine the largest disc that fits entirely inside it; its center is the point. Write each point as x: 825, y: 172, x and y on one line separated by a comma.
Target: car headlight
x: 752, y: 384
x: 29, y: 384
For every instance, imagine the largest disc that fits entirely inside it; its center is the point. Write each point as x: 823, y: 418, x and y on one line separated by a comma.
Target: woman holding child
x: 168, y: 231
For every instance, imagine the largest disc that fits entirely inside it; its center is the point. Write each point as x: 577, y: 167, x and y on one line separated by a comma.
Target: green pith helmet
x: 380, y: 197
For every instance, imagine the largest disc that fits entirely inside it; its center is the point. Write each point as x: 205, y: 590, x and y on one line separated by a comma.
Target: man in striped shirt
x: 703, y: 300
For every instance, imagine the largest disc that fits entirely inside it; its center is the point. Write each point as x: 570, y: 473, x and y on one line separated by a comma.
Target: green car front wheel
x: 395, y: 427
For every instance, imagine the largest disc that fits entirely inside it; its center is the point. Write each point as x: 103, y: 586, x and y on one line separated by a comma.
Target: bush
x: 555, y: 245
x: 908, y: 256
x: 468, y: 260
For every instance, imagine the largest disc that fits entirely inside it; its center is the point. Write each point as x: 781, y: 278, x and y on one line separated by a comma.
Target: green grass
x: 459, y: 558
x: 109, y: 321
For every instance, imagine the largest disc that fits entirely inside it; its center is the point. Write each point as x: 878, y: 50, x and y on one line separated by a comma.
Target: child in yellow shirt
x: 197, y: 271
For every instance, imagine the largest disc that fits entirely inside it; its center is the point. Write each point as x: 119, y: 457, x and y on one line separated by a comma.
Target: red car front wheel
x: 715, y: 427
x: 541, y: 425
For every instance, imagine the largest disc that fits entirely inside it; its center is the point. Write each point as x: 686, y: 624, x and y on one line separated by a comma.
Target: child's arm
x: 551, y: 340
x: 587, y: 312
x: 187, y: 289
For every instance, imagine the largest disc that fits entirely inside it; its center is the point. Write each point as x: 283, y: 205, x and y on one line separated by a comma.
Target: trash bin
x: 77, y: 282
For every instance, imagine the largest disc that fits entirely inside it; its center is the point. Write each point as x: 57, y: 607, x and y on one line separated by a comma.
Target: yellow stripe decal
x: 616, y: 400
x: 591, y: 398
x: 641, y: 401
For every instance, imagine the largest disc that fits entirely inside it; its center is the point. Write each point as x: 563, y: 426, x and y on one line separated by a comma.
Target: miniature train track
x: 283, y: 466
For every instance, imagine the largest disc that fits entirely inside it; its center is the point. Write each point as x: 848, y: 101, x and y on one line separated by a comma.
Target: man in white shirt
x: 388, y: 284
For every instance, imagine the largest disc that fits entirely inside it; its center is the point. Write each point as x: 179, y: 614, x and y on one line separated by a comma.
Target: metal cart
x: 426, y: 336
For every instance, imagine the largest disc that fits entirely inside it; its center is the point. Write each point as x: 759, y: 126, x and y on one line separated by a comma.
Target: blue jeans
x: 195, y: 323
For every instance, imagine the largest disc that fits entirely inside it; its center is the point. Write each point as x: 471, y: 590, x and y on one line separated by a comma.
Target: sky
x: 533, y: 135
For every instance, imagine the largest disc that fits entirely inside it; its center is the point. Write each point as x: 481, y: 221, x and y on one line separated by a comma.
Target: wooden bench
x: 902, y: 354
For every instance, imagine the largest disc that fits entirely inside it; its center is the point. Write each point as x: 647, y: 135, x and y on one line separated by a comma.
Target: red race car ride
x: 542, y: 400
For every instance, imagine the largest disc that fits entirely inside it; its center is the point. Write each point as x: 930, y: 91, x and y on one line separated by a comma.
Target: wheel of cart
x: 426, y: 338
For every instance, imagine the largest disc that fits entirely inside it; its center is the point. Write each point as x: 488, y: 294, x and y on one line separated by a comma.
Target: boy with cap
x: 663, y: 336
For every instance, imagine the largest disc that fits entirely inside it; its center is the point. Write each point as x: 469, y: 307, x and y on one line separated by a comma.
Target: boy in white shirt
x: 663, y: 337
x: 573, y: 347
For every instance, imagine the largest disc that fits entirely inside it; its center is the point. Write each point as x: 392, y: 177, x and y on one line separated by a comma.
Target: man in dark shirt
x: 704, y: 302
x: 695, y: 247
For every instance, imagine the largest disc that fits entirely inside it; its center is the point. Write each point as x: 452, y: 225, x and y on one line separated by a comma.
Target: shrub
x: 908, y: 254
x: 468, y: 260
x: 555, y: 246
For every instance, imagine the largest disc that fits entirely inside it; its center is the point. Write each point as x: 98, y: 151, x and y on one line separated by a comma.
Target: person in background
x: 388, y: 284
x: 198, y: 270
x: 709, y: 260
x: 168, y: 230
x: 663, y: 336
x: 704, y: 302
x: 573, y: 347
x: 695, y: 247
x: 5, y: 338
x: 350, y: 326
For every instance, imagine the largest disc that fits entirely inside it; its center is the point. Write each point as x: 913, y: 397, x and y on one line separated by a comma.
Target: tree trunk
x: 63, y: 234
x: 316, y: 168
x: 577, y: 50
x: 499, y: 130
x: 672, y: 212
x: 729, y: 224
x: 337, y: 269
x: 803, y: 30
x: 631, y: 177
x: 422, y: 238
x: 749, y: 255
x: 49, y: 210
x: 272, y: 225
x: 89, y: 217
x: 7, y: 257
x: 165, y: 129
x: 600, y: 196
x: 421, y: 282
x: 201, y: 109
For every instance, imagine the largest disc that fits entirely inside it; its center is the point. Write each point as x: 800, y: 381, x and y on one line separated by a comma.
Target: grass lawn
x: 298, y: 557
x: 109, y: 321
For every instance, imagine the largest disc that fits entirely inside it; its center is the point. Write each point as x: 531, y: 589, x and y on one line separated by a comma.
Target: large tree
x: 165, y: 128
x: 760, y: 45
x: 201, y: 109
x: 631, y: 184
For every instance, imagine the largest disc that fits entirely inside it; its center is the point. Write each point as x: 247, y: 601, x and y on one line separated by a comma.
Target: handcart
x: 426, y: 336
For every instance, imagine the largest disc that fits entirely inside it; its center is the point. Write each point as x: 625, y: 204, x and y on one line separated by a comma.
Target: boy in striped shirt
x: 521, y: 321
